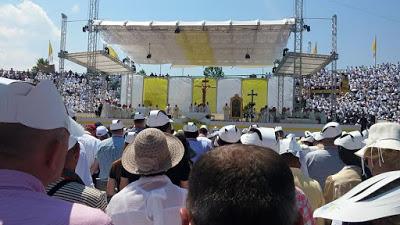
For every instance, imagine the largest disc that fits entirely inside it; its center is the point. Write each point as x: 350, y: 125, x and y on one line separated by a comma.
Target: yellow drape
x: 260, y: 86
x: 211, y: 96
x: 155, y: 92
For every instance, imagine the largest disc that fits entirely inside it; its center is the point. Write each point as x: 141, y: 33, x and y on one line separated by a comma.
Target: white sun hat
x: 190, y: 127
x: 352, y: 140
x: 330, y: 130
x: 130, y: 137
x: 40, y: 107
x: 138, y: 116
x: 157, y: 118
x: 101, y: 131
x: 116, y: 125
x: 252, y: 137
x: 278, y: 128
x: 269, y: 139
x: 289, y: 145
x: 229, y: 134
x: 384, y: 135
x: 376, y: 198
x: 308, y: 137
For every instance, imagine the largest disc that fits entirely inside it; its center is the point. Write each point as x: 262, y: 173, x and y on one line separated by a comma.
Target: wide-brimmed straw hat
x: 152, y: 152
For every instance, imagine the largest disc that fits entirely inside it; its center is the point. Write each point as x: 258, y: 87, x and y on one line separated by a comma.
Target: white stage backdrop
x: 273, y: 92
x: 227, y: 88
x: 180, y: 92
x: 137, y: 90
x: 124, y: 82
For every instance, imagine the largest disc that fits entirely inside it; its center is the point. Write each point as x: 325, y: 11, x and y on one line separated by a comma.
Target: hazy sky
x: 27, y: 26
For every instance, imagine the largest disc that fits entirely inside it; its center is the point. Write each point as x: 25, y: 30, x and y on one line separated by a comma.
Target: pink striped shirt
x: 23, y: 200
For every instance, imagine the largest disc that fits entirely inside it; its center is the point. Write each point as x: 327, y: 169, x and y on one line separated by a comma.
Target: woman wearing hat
x: 153, y: 199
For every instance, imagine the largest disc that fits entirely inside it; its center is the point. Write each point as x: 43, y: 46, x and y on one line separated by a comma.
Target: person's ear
x: 185, y: 216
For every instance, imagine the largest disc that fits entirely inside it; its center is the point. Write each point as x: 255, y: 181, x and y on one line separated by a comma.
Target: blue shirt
x: 110, y: 150
x: 199, y: 146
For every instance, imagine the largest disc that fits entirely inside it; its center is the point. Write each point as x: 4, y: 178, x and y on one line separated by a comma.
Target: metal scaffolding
x: 334, y: 63
x: 298, y: 48
x: 62, y: 41
x: 92, y: 35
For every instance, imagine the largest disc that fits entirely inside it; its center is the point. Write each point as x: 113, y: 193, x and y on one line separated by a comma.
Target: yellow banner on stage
x: 260, y: 87
x: 211, y: 94
x: 155, y: 92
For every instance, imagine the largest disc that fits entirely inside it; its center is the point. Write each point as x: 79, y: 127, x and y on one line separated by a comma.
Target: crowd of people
x: 373, y: 93
x: 54, y: 171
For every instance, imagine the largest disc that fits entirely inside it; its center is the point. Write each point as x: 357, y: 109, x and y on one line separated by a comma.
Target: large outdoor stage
x: 295, y: 128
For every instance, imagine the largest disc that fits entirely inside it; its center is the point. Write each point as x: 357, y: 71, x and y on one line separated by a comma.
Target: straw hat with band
x: 152, y: 152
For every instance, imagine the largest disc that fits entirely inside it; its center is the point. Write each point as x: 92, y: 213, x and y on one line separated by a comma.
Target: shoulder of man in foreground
x: 82, y: 215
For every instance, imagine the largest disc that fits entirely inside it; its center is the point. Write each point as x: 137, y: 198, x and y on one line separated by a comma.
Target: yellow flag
x: 50, y: 56
x: 315, y: 49
x: 374, y: 47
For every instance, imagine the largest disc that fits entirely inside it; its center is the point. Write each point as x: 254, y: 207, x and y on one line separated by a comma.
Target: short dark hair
x: 191, y: 134
x: 163, y: 128
x: 203, y: 131
x: 241, y: 184
x: 348, y: 157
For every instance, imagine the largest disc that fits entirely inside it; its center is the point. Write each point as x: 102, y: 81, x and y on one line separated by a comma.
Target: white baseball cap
x: 130, y: 137
x: 330, y: 130
x: 352, y: 140
x: 230, y: 134
x: 157, y: 118
x: 269, y: 139
x: 252, y: 137
x: 278, y: 128
x: 116, y: 125
x: 101, y: 131
x: 40, y: 107
x: 203, y: 127
x: 138, y: 116
x: 363, y: 203
x: 190, y: 127
x: 289, y: 145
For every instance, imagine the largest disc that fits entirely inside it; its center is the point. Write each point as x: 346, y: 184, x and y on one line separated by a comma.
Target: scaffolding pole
x: 334, y: 65
x: 92, y: 35
x: 63, y: 42
x: 298, y: 48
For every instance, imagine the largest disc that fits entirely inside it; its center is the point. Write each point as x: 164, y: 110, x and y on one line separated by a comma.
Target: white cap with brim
x: 101, y: 131
x: 352, y: 140
x: 269, y: 139
x: 116, y: 125
x: 130, y: 137
x: 289, y: 145
x: 382, y: 136
x: 251, y: 138
x: 330, y: 130
x: 190, y: 127
x: 230, y: 134
x: 40, y: 107
x: 138, y: 116
x: 278, y: 128
x: 362, y: 203
x: 157, y: 118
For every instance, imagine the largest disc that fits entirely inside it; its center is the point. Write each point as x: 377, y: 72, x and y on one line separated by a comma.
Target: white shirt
x: 91, y: 145
x: 148, y: 201
x: 82, y: 168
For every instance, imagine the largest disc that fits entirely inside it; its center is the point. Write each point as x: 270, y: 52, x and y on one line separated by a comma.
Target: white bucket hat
x: 352, y: 140
x: 152, y: 152
x: 229, y: 134
x: 289, y: 145
x: 40, y: 107
x: 138, y: 116
x: 278, y: 128
x: 252, y: 137
x: 190, y: 127
x: 130, y: 137
x: 157, y: 118
x: 116, y: 125
x: 269, y: 139
x: 101, y: 131
x: 330, y: 130
x: 308, y: 137
x: 362, y: 203
x: 384, y: 135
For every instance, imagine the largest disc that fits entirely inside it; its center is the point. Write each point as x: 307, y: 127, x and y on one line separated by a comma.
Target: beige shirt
x: 342, y: 182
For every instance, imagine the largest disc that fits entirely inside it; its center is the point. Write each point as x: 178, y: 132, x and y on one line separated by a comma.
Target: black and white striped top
x: 78, y: 193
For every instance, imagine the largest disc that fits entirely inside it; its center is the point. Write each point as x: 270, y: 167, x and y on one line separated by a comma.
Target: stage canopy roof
x: 105, y: 63
x: 202, y: 43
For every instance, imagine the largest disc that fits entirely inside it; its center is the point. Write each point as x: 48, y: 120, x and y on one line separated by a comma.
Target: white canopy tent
x: 202, y: 43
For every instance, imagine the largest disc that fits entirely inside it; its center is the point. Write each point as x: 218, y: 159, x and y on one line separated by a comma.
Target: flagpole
x: 375, y: 51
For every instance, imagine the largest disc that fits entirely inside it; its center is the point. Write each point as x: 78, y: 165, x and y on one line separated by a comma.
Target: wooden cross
x: 204, y: 86
x: 252, y: 94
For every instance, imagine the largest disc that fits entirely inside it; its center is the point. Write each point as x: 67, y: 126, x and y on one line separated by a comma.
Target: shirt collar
x: 13, y: 179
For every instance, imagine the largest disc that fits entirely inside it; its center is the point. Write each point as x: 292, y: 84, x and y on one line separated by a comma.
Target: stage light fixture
x: 177, y: 30
x: 85, y: 28
x: 247, y: 56
x: 307, y: 28
x: 148, y: 56
x: 149, y: 52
